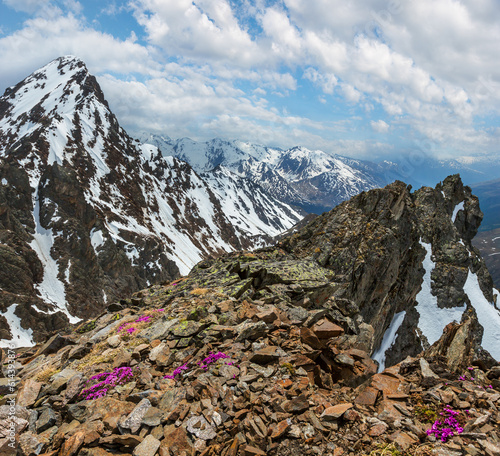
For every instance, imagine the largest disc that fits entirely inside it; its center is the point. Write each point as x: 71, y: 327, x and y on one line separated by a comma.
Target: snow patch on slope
x: 487, y: 315
x: 20, y: 337
x: 459, y: 207
x: 433, y: 319
x: 389, y: 339
x: 51, y: 289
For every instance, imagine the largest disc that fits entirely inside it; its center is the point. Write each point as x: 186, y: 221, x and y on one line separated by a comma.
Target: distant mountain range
x: 308, y: 179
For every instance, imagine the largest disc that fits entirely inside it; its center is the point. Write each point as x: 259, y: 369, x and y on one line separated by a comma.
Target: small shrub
x: 289, y: 367
x: 426, y: 414
x: 46, y: 373
x: 387, y: 449
x: 86, y: 327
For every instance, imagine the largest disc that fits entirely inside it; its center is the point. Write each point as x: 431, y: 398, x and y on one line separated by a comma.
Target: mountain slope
x: 87, y: 213
x: 311, y: 180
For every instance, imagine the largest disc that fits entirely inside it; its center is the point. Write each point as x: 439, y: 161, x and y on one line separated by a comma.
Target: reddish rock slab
x: 177, y: 441
x: 386, y: 384
x: 325, y: 329
x: 298, y: 404
x: 402, y: 439
x: 281, y: 428
x: 335, y: 412
x: 265, y: 355
x: 378, y: 429
x: 28, y: 393
x: 73, y: 444
x: 367, y: 397
x: 308, y: 337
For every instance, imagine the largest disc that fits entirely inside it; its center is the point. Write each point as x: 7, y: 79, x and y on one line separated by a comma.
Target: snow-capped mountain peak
x: 93, y: 214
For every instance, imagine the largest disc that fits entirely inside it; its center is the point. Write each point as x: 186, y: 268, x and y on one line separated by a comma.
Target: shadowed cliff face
x: 393, y: 251
x: 88, y: 215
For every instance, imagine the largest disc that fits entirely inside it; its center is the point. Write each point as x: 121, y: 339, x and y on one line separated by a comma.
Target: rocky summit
x: 371, y: 331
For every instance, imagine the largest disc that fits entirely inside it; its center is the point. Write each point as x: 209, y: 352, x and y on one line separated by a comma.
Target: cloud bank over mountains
x: 366, y: 78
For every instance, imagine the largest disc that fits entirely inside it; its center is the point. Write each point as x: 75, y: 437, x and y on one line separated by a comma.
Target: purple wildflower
x: 143, y: 318
x: 119, y: 376
x: 177, y: 371
x: 446, y: 428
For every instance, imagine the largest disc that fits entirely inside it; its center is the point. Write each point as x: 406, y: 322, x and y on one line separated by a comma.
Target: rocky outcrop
x: 392, y: 251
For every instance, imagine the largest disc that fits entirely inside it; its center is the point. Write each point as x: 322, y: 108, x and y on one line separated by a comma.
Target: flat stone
x: 159, y: 330
x: 73, y: 387
x: 298, y: 404
x: 201, y: 428
x: 157, y: 350
x: 402, y: 439
x: 46, y: 420
x: 71, y: 446
x: 426, y: 369
x: 335, y: 412
x: 268, y: 315
x: 344, y: 360
x: 186, y: 328
x: 281, y: 428
x: 176, y: 441
x: 28, y: 393
x: 295, y: 431
x: 122, y: 358
x: 491, y: 448
x: 152, y: 417
x: 128, y: 440
x: 253, y: 451
x: 265, y: 355
x: 325, y: 329
x: 114, y: 341
x: 297, y: 314
x: 308, y: 337
x: 148, y: 447
x: 386, y: 384
x: 267, y: 371
x: 378, y: 429
x: 54, y: 344
x: 30, y: 444
x: 133, y: 421
x: 227, y: 371
x: 101, y: 334
x: 250, y: 330
x: 59, y: 381
x: 367, y: 397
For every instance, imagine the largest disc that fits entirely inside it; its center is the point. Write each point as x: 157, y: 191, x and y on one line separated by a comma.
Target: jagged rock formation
x: 89, y: 215
x: 256, y: 365
x: 406, y: 261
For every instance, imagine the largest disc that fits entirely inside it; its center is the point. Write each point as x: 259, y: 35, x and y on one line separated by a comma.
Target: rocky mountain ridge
x: 89, y: 215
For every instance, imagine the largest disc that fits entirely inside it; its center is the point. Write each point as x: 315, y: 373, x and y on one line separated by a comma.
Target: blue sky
x: 370, y: 79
